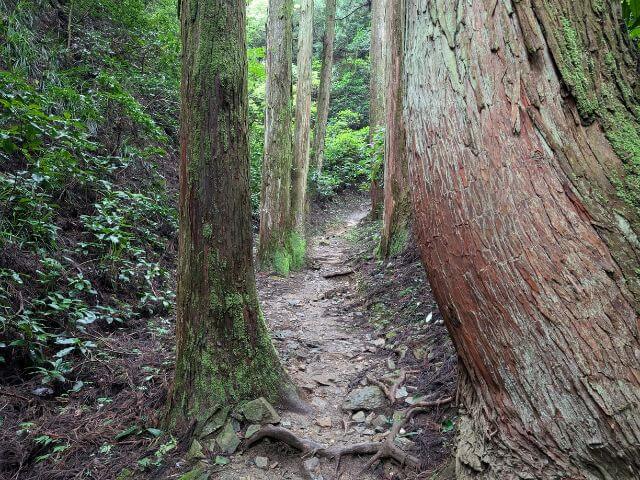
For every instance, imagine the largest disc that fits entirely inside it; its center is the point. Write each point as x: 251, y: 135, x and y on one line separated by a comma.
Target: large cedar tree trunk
x: 224, y: 353
x: 377, y: 95
x: 275, y: 223
x: 302, y: 136
x: 524, y: 147
x: 396, y: 212
x: 324, y: 94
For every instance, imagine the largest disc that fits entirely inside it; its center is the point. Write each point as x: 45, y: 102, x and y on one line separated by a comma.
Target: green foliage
x: 282, y: 262
x: 349, y: 158
x: 297, y: 247
x: 631, y: 15
x: 83, y: 132
x: 350, y: 89
x: 257, y: 105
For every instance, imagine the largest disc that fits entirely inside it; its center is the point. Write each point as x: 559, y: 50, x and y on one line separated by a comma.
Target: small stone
x: 402, y: 392
x: 368, y: 432
x: 370, y: 417
x: 195, y: 451
x: 227, y: 439
x: 414, y: 400
x: 404, y: 443
x: 419, y: 353
x: 42, y: 392
x: 285, y: 423
x: 262, y: 462
x: 380, y: 421
x: 379, y: 342
x: 251, y: 430
x: 318, y: 402
x: 365, y: 398
x: 198, y: 473
x: 215, y: 422
x: 324, y: 422
x: 391, y: 365
x: 260, y: 411
x: 312, y: 464
x: 220, y: 460
x: 358, y: 417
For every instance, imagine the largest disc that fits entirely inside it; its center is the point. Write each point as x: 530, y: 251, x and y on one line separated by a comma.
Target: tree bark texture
x: 224, y: 352
x: 278, y: 149
x: 396, y: 212
x: 377, y: 94
x: 302, y: 136
x: 523, y: 143
x: 324, y: 93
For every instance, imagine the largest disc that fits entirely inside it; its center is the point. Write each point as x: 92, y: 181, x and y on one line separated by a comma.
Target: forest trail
x: 323, y: 349
x: 324, y: 324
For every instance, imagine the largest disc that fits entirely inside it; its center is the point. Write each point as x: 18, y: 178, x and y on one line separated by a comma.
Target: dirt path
x: 323, y: 350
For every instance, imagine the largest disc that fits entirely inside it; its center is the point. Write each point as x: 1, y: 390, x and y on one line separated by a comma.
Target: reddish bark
x: 529, y: 249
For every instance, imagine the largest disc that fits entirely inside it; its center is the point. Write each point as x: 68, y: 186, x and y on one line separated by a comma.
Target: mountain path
x: 324, y: 347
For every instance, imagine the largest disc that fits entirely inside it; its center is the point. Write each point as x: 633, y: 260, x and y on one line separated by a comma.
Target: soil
x: 343, y: 322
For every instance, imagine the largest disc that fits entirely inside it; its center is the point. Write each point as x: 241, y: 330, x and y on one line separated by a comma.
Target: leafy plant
x: 631, y: 15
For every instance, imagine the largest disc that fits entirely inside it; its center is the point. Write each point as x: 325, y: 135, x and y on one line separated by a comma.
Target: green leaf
x: 132, y: 430
x: 64, y: 352
x: 447, y: 426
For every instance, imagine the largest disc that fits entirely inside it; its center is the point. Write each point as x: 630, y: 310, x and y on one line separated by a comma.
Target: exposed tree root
x: 387, y: 449
x: 391, y: 390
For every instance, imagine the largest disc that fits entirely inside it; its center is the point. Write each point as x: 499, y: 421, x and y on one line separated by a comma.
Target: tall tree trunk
x: 324, y: 94
x: 224, y: 353
x: 524, y: 147
x: 395, y: 218
x: 275, y: 196
x: 302, y: 136
x: 377, y: 94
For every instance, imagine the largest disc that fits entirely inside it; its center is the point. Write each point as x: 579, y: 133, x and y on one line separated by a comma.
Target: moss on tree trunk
x: 397, y: 208
x: 275, y: 197
x: 224, y: 352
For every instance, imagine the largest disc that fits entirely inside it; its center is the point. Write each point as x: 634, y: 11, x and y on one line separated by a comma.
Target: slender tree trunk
x: 69, y: 24
x: 324, y: 94
x: 224, y: 353
x: 523, y: 141
x: 377, y: 94
x: 275, y: 196
x: 302, y: 136
x: 396, y: 213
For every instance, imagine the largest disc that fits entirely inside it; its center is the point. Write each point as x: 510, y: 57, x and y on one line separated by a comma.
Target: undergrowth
x: 87, y: 131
